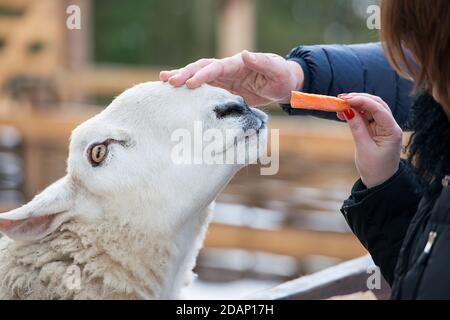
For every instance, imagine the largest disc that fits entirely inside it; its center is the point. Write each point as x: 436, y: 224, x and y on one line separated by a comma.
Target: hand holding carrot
x: 377, y: 137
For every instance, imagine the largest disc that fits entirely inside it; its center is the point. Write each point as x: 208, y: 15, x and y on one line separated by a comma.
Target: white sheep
x: 126, y: 222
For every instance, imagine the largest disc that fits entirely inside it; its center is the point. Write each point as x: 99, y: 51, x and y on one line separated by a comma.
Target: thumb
x: 259, y: 62
x: 358, y: 127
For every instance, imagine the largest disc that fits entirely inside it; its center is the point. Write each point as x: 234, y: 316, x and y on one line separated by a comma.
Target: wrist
x: 298, y: 75
x: 297, y: 78
x: 372, y: 182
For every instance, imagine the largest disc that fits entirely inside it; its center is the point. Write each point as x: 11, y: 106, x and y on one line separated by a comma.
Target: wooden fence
x: 348, y: 280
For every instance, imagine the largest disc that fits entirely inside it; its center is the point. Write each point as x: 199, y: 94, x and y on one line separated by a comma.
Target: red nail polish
x: 349, y: 114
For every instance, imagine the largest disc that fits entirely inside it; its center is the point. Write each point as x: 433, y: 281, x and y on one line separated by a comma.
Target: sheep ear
x: 40, y: 216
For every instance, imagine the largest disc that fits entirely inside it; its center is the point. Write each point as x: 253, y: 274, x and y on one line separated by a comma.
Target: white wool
x: 116, y: 262
x: 131, y: 227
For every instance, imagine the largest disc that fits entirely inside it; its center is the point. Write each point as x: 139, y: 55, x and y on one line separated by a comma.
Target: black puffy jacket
x: 407, y: 235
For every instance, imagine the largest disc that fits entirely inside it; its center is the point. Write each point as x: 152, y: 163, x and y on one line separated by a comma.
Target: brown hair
x: 423, y: 27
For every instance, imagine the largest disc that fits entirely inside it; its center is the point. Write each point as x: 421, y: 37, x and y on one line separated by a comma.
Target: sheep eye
x: 98, y: 153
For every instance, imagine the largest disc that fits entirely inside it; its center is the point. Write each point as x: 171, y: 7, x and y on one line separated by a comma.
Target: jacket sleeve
x: 335, y: 69
x: 380, y: 216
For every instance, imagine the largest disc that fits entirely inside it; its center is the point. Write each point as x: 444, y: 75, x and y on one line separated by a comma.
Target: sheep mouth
x: 252, y: 127
x: 253, y: 123
x: 248, y: 134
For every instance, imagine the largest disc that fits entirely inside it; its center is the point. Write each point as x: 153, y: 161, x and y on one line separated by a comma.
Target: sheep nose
x: 232, y: 109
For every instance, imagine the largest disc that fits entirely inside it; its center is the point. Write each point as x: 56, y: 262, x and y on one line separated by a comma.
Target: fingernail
x: 190, y: 84
x: 349, y: 114
x: 343, y: 95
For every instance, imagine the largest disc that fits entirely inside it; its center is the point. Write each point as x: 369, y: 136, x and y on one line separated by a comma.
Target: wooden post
x: 41, y: 27
x: 236, y: 27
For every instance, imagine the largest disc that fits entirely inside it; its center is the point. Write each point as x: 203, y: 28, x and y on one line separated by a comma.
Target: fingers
x: 341, y: 116
x: 179, y: 77
x: 206, y: 75
x: 359, y: 128
x: 165, y: 75
x: 377, y: 108
x: 187, y: 72
x: 370, y: 96
x: 224, y: 68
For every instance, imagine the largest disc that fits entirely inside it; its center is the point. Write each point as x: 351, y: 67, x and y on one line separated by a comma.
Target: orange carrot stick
x: 300, y: 100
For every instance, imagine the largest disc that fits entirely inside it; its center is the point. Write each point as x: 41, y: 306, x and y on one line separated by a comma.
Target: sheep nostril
x: 231, y: 110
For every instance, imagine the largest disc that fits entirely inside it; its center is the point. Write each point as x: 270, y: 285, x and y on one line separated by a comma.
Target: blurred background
x: 267, y: 229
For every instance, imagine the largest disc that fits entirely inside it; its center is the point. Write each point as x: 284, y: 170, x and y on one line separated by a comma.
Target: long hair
x: 423, y: 28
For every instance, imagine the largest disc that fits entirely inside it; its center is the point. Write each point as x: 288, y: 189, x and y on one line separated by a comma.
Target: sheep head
x: 121, y: 162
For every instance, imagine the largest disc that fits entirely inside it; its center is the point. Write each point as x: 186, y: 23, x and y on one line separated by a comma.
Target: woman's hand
x: 260, y: 78
x: 377, y: 136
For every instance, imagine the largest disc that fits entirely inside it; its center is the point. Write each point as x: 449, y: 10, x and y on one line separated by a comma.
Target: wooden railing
x: 341, y: 280
x: 103, y: 80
